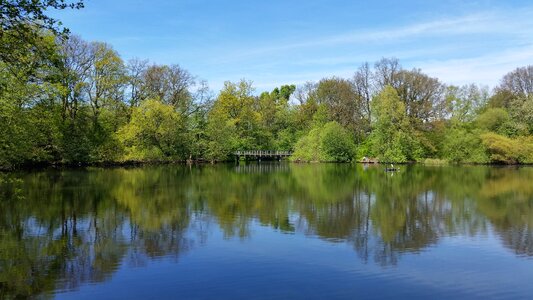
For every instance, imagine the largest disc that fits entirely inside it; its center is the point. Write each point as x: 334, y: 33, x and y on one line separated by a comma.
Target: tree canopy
x: 67, y: 100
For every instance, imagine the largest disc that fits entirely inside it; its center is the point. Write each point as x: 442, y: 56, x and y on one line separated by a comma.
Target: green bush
x: 502, y: 149
x: 493, y: 119
x: 393, y: 139
x: 336, y: 143
x: 464, y: 146
x: 156, y: 131
x: 329, y: 143
x: 308, y: 147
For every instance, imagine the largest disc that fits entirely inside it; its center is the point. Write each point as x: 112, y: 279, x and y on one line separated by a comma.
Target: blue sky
x: 279, y: 42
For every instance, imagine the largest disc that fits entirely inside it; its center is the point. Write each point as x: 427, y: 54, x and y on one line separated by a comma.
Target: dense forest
x: 64, y: 100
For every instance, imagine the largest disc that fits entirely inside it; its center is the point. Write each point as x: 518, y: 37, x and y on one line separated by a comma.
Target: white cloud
x: 517, y: 24
x: 487, y: 69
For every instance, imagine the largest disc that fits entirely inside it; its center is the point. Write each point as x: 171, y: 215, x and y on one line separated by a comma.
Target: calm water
x: 267, y: 231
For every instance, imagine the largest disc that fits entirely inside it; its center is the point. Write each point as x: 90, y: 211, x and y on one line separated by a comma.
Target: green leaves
x: 392, y: 138
x: 156, y: 132
x: 502, y: 149
x: 330, y: 143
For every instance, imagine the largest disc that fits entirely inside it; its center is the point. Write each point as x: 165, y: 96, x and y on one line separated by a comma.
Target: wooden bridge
x: 259, y: 154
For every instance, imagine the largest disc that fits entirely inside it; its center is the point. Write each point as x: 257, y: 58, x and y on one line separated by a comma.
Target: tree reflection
x: 59, y: 229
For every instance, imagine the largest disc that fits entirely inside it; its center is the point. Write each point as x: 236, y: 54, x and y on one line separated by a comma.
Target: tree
x: 106, y: 79
x: 28, y: 123
x: 493, y: 119
x: 519, y: 82
x: 502, y: 149
x: 385, y: 73
x: 91, y: 85
x: 337, y: 143
x: 362, y: 81
x: 75, y: 67
x: 275, y: 117
x: 328, y: 142
x: 465, y: 102
x: 221, y: 136
x: 198, y: 120
x: 236, y: 104
x: 423, y: 95
x: 343, y: 103
x: 463, y: 145
x: 22, y: 24
x: 156, y: 132
x: 20, y: 13
x: 169, y: 84
x: 392, y: 139
x: 307, y: 148
x: 135, y: 70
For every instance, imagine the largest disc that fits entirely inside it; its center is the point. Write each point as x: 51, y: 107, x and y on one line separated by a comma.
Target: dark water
x: 268, y: 231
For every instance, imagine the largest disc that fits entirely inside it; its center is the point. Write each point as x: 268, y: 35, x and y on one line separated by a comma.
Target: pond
x: 267, y: 231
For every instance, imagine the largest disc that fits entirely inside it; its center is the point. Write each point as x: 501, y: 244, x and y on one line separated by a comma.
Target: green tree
x: 221, y: 136
x: 344, y: 105
x: 22, y: 24
x: 156, y: 132
x: 392, y: 139
x: 463, y: 145
x: 493, y: 119
x: 328, y: 142
x: 502, y: 149
x: 28, y: 126
x: 337, y: 143
x: 236, y: 105
x: 308, y: 148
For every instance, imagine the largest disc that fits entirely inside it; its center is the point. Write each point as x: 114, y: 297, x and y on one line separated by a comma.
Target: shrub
x: 308, y: 147
x: 493, y: 119
x: 462, y: 145
x: 156, y: 131
x: 502, y: 149
x: 336, y: 143
x: 330, y: 143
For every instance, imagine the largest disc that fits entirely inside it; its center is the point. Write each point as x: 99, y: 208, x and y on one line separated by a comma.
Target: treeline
x: 66, y: 100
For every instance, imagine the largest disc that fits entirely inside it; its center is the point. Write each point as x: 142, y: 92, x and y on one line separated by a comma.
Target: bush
x: 336, y: 142
x: 493, y: 119
x: 156, y: 131
x: 502, y: 149
x: 330, y: 143
x: 462, y: 145
x: 308, y: 147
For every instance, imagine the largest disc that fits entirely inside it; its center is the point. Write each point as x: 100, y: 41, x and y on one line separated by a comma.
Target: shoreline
x: 135, y: 163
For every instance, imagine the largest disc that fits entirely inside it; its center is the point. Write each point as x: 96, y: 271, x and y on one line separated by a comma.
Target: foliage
x: 464, y: 146
x: 392, y: 138
x: 502, y: 149
x: 493, y: 119
x: 21, y: 23
x: 155, y: 132
x: 308, y: 149
x: 337, y: 143
x: 328, y: 143
x: 73, y: 101
x: 221, y: 137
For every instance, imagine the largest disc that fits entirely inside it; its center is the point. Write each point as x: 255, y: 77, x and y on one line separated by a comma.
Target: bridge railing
x: 262, y: 153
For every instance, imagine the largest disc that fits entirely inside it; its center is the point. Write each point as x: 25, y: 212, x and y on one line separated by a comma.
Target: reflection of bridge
x: 259, y: 154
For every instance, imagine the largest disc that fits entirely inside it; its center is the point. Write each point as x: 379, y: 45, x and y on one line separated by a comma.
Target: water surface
x: 267, y: 231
